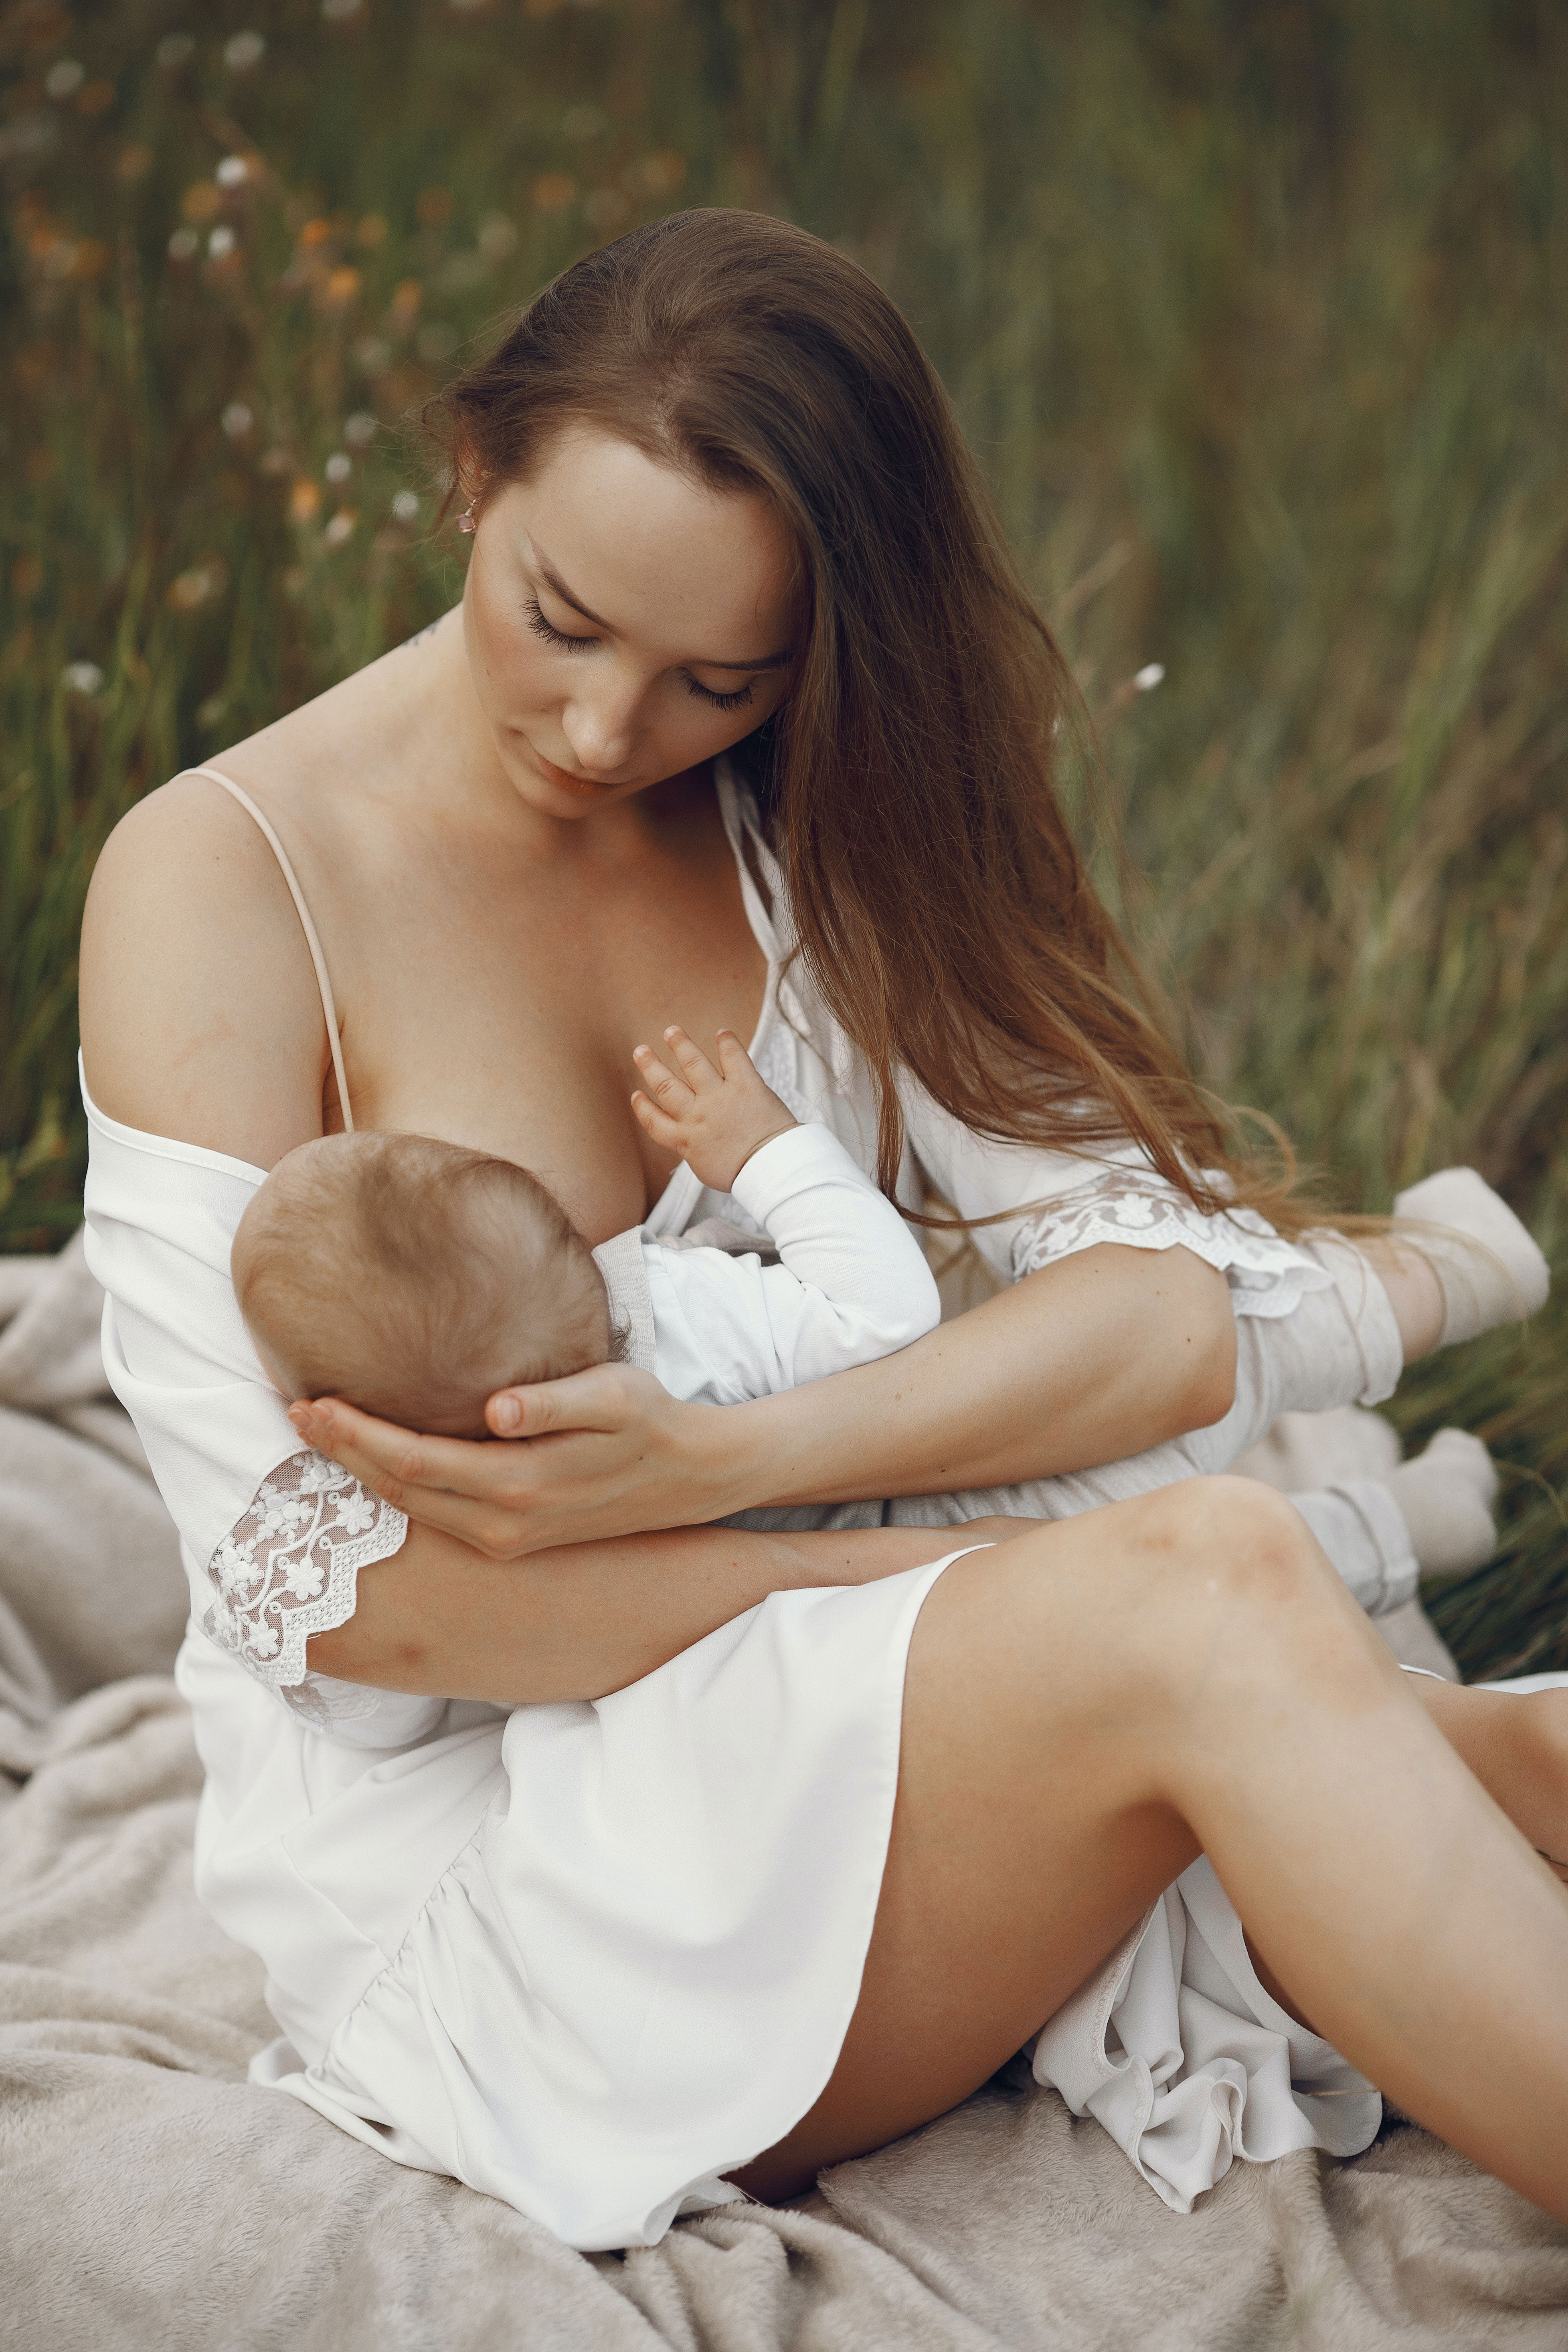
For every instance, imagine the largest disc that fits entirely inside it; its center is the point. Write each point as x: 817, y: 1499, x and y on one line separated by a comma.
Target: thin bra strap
x: 306, y: 925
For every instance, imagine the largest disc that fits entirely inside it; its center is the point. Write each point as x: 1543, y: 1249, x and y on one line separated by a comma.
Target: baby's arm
x: 853, y: 1283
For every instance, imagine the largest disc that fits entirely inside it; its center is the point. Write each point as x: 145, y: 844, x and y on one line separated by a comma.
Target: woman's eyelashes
x: 735, y: 701
x: 559, y: 639
x: 554, y: 637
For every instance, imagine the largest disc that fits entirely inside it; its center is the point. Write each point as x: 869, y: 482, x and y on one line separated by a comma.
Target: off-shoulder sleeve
x: 272, y: 1535
x: 1066, y: 1203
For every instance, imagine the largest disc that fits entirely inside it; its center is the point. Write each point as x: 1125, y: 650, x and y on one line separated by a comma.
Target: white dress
x: 589, y: 1957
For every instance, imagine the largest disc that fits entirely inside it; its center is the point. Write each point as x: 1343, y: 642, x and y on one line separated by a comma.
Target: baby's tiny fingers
x: 733, y: 1058
x: 657, y: 1123
x: 672, y: 1092
x: 693, y: 1061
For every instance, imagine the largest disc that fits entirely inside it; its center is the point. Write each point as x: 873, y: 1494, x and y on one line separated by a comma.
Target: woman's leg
x: 1056, y: 1776
x: 1517, y: 1747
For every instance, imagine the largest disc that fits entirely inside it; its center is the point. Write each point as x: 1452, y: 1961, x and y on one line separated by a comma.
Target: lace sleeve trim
x: 288, y: 1568
x: 1137, y: 1208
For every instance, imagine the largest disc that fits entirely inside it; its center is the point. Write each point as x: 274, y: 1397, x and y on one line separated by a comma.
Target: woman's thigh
x: 1029, y: 1835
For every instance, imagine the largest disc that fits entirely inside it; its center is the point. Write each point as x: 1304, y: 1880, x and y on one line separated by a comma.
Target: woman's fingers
x: 478, y: 1493
x: 602, y: 1398
x: 395, y: 1462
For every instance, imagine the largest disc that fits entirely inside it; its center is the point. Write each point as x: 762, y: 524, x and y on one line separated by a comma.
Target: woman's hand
x: 604, y: 1452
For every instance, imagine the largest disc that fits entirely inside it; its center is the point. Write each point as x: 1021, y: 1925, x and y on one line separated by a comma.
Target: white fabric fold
x: 1175, y: 2047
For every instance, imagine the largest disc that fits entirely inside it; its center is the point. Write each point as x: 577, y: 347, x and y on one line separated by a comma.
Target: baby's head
x: 414, y: 1278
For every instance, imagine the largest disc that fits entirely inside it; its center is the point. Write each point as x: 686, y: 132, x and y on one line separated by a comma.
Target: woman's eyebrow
x: 767, y: 661
x: 553, y: 579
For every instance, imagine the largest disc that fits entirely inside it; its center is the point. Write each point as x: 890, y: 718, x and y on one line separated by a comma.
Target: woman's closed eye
x: 737, y: 700
x: 552, y: 635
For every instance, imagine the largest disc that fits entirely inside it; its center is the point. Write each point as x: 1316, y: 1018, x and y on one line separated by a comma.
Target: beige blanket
x: 149, y: 2197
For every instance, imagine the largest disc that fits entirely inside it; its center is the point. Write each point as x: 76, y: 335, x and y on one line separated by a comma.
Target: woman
x: 853, y: 1821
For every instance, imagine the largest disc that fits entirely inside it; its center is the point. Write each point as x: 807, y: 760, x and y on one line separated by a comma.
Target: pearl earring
x: 466, y: 519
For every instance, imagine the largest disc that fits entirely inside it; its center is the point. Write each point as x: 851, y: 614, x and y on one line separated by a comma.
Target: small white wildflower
x: 183, y: 244
x: 1149, y: 677
x: 222, y: 241
x: 339, y: 467
x: 172, y: 50
x: 360, y: 429
x: 81, y: 677
x: 405, y: 506
x: 339, y: 528
x: 237, y: 420
x: 243, y: 50
x: 64, y: 78
x: 232, y: 172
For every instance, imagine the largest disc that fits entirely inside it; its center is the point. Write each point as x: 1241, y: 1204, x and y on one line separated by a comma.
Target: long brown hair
x: 943, y: 912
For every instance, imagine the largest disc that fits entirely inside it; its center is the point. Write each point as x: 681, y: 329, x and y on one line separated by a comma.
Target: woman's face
x: 623, y: 624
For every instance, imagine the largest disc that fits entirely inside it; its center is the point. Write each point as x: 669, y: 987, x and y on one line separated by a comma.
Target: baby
x: 414, y: 1278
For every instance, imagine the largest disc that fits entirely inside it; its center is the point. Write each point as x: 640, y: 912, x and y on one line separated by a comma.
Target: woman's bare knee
x: 1130, y: 1625
x: 1152, y: 1594
x: 1202, y: 1540
x: 1239, y: 1540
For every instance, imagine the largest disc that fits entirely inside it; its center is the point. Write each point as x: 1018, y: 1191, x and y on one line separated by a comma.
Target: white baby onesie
x: 852, y: 1283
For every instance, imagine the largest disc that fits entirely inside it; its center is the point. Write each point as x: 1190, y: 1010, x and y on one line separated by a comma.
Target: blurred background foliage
x: 1254, y: 310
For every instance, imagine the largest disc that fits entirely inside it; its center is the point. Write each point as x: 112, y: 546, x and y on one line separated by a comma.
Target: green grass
x: 1254, y: 313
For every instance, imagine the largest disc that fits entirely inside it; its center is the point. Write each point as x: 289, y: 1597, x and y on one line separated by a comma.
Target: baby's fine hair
x: 415, y: 1277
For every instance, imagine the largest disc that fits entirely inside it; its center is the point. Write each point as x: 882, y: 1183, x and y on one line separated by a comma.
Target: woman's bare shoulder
x: 200, y: 1015
x: 200, y: 1019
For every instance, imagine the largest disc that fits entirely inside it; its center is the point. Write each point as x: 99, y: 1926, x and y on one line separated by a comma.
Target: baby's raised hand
x: 714, y: 1118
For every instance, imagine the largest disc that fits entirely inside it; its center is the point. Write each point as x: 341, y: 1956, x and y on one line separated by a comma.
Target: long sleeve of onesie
x: 852, y: 1283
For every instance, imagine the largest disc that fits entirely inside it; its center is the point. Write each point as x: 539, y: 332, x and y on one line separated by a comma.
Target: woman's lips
x: 567, y: 781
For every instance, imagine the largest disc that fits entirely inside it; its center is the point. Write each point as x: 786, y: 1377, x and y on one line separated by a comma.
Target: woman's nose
x: 602, y: 728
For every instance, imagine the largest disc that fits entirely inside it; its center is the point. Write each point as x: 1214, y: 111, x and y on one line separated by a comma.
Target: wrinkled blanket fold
x: 150, y: 2197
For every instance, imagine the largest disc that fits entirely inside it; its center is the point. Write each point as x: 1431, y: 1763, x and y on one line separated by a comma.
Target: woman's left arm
x: 1097, y: 1356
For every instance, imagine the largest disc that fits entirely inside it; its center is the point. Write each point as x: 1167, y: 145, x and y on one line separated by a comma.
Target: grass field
x: 1255, y: 312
